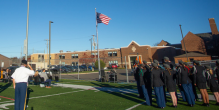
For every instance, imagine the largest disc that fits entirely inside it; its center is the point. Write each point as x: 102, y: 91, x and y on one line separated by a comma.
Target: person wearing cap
x: 136, y: 76
x: 157, y: 84
x: 212, y: 83
x: 216, y: 69
x: 159, y: 66
x: 200, y: 81
x: 167, y: 61
x: 142, y: 84
x: 162, y: 68
x: 185, y: 82
x: 20, y: 79
x: 147, y: 80
x: 169, y: 76
x: 191, y: 76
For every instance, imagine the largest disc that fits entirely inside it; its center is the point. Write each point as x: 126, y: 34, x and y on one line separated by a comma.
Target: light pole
x: 26, y: 41
x: 49, y: 42
x: 183, y: 42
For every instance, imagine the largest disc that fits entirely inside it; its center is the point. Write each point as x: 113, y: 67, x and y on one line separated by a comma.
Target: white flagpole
x: 98, y: 58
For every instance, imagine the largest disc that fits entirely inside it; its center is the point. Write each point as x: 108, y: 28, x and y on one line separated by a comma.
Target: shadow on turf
x: 5, y: 87
x: 29, y: 90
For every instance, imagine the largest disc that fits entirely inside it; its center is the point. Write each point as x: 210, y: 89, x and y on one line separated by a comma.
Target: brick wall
x: 184, y: 59
x: 193, y: 43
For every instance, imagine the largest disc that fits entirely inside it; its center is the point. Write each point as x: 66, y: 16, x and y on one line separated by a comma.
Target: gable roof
x: 192, y: 54
x: 135, y: 43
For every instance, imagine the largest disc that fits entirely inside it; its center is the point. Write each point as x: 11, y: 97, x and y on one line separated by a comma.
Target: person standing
x: 185, y: 82
x: 136, y: 76
x: 20, y: 79
x: 191, y: 76
x: 212, y: 83
x: 169, y: 76
x: 147, y: 80
x: 157, y: 84
x: 171, y: 64
x: 142, y: 84
x: 216, y: 69
x: 200, y: 81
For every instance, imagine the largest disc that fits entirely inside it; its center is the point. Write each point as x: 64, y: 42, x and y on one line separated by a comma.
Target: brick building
x: 202, y: 43
x: 192, y: 56
x: 109, y: 56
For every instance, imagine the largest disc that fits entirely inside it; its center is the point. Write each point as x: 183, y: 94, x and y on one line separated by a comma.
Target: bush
x: 102, y: 64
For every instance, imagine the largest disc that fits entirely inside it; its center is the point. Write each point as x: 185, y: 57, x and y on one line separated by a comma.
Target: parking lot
x: 121, y: 76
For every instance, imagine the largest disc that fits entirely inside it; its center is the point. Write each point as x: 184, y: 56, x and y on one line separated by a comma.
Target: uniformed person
x: 169, y: 76
x: 142, y: 84
x: 212, y: 83
x: 20, y: 81
x: 147, y: 80
x: 200, y: 81
x: 216, y: 69
x: 185, y: 82
x: 136, y: 76
x: 157, y: 84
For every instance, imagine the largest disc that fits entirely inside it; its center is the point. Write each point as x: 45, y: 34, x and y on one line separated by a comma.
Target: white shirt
x: 22, y: 74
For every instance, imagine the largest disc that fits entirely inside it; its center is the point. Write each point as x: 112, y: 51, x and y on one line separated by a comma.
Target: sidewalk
x: 211, y: 97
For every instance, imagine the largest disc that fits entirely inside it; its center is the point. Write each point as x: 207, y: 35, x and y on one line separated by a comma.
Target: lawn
x: 59, y: 98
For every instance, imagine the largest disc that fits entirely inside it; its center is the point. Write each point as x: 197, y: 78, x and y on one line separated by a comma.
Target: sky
x: 145, y: 21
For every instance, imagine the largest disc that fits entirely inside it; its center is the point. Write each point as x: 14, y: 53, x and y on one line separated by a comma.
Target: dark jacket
x: 183, y: 75
x: 147, y: 76
x: 216, y: 70
x: 156, y: 78
x: 172, y: 65
x: 211, y: 79
x: 169, y: 79
x: 199, y: 74
x: 141, y: 76
x: 136, y: 73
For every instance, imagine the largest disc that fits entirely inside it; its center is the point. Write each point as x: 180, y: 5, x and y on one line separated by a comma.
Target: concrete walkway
x: 108, y: 89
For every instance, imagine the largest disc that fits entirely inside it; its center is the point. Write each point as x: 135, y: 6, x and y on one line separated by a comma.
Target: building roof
x: 192, y: 54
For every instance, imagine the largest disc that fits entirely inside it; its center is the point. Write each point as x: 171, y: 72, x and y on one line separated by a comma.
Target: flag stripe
x: 101, y: 18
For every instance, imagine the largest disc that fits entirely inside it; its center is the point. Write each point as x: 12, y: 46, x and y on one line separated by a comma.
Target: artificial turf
x: 78, y: 99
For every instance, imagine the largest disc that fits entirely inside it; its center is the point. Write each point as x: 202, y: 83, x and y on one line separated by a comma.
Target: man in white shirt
x: 20, y: 81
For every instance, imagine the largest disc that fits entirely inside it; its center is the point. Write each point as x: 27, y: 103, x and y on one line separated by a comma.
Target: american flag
x: 101, y: 18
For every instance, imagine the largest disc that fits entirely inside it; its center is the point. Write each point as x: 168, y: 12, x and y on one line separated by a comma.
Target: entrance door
x: 132, y: 61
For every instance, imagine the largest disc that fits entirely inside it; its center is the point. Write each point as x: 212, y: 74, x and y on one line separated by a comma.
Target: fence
x: 87, y: 69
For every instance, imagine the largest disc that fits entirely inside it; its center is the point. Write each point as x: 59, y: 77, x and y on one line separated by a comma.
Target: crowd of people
x: 171, y: 77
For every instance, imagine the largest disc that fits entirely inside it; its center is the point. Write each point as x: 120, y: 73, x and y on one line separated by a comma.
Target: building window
x: 74, y: 56
x: 109, y: 54
x: 191, y: 59
x: 113, y: 62
x: 115, y: 53
x: 61, y: 57
x: 63, y: 63
x: 94, y: 53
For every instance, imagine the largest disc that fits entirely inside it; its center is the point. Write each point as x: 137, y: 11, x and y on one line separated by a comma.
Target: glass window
x: 76, y: 55
x: 72, y: 55
x: 63, y: 56
x: 109, y: 54
x: 191, y: 59
x: 115, y: 53
x: 60, y: 56
x: 63, y: 63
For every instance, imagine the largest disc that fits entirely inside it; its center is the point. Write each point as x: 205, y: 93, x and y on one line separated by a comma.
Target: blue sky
x: 144, y: 21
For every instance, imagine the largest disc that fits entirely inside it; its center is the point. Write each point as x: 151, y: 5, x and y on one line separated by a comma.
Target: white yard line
x: 135, y: 106
x: 55, y: 94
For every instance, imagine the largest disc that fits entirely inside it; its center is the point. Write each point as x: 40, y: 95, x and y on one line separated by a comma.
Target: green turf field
x: 59, y: 98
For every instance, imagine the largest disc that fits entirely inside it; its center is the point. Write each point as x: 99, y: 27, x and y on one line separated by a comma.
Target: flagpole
x: 98, y: 57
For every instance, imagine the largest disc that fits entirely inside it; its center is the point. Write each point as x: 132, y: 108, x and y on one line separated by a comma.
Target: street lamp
x: 49, y: 42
